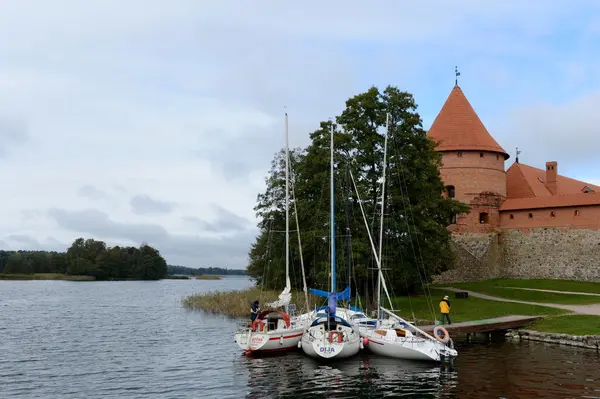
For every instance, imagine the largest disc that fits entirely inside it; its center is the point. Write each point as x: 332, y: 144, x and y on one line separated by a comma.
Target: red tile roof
x: 523, y: 181
x: 457, y: 127
x: 554, y: 201
x: 526, y: 189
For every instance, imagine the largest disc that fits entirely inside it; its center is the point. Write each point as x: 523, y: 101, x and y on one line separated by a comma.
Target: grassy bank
x: 237, y: 303
x: 419, y: 309
x: 569, y: 324
x: 45, y: 276
x: 511, y: 289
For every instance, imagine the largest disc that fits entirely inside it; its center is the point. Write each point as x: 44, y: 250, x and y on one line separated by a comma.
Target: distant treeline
x: 89, y: 258
x: 188, y: 271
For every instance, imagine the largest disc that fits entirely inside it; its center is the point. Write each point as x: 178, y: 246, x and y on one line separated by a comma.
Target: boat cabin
x: 272, y: 320
x: 329, y: 323
x: 393, y: 333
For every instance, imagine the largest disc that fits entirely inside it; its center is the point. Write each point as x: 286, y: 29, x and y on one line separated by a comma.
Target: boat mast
x: 287, y: 209
x: 333, y: 285
x: 348, y: 239
x: 379, y: 275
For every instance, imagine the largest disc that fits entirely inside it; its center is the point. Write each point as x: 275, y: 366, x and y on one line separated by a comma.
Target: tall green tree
x: 416, y: 239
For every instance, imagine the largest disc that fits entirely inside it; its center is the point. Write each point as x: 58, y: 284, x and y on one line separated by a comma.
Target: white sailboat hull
x: 319, y: 343
x: 409, y: 347
x: 270, y: 341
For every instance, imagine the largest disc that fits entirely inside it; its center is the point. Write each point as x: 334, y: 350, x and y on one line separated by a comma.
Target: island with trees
x: 85, y: 259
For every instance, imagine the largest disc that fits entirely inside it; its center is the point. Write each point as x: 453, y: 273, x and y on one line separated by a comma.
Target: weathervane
x: 457, y: 75
x: 518, y: 152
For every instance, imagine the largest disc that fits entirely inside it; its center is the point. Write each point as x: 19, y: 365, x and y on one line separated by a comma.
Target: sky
x: 156, y: 121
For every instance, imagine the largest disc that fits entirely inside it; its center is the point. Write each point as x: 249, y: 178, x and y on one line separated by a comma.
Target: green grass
x: 570, y: 324
x: 502, y: 288
x: 465, y: 309
x: 45, y: 276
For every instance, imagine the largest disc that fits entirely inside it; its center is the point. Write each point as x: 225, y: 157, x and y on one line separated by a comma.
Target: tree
x: 89, y: 258
x: 416, y: 239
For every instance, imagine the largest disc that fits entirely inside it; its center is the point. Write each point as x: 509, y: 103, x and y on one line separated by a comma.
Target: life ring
x: 258, y: 323
x: 335, y: 336
x: 445, y: 338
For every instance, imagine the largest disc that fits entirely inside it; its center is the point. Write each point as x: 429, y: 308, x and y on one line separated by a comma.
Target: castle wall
x: 586, y: 217
x: 553, y: 253
x: 477, y: 257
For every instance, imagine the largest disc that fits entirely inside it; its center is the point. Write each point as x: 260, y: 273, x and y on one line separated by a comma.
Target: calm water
x: 134, y: 340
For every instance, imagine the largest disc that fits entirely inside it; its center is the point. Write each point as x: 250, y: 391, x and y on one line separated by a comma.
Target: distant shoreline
x: 67, y: 277
x: 200, y: 277
x: 45, y: 276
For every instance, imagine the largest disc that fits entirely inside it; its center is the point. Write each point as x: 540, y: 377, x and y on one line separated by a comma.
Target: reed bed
x: 238, y: 303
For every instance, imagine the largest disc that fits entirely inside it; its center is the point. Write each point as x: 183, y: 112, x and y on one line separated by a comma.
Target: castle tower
x: 472, y: 164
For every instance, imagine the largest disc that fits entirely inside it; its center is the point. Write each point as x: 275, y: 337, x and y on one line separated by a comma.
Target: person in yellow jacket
x: 445, y: 309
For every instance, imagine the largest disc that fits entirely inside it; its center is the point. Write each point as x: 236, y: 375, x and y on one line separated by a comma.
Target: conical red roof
x: 457, y: 127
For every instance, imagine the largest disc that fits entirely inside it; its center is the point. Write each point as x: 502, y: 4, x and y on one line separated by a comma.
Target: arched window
x: 451, y: 191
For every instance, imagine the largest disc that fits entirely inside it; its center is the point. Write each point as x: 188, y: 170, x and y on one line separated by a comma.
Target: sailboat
x: 395, y: 337
x: 330, y: 335
x: 274, y: 330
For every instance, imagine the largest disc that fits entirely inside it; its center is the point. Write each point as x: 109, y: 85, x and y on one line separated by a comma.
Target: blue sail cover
x: 340, y: 296
x: 331, y: 303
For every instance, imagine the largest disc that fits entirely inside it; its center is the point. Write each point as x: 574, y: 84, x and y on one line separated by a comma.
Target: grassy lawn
x: 465, y: 309
x: 45, y: 276
x: 571, y: 324
x: 502, y: 288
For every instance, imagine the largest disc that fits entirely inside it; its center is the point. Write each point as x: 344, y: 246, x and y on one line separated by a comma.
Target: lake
x: 133, y: 339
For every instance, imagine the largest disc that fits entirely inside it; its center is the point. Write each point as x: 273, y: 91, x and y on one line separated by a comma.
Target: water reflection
x: 496, y: 370
x: 295, y: 375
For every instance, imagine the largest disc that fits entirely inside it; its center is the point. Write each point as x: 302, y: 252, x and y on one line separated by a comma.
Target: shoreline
x: 45, y: 276
x: 580, y: 341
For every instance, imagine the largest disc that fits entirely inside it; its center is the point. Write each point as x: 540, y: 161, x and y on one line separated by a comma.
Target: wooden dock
x: 498, y: 324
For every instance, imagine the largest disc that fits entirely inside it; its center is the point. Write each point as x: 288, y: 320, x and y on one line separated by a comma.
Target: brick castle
x: 522, y: 197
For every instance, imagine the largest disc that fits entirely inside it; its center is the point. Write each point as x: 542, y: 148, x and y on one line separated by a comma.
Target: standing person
x: 445, y: 309
x: 254, y: 310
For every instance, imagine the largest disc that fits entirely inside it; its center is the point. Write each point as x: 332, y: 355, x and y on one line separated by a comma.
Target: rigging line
x: 409, y: 215
x: 304, y: 287
x: 405, y: 272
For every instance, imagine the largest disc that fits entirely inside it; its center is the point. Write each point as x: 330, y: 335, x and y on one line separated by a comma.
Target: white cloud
x: 104, y: 101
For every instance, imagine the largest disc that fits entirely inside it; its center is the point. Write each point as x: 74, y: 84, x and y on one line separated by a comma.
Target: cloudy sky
x: 148, y: 120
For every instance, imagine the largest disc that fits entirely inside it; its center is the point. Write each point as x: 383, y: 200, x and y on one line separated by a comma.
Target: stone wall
x: 582, y: 341
x: 554, y: 253
x: 477, y: 257
x: 572, y: 254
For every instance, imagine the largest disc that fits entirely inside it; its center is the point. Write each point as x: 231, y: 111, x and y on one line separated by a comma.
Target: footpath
x: 593, y: 309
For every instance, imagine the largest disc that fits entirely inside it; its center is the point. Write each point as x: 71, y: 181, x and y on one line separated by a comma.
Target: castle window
x: 459, y: 154
x: 553, y: 214
x: 576, y: 212
x: 497, y: 157
x: 512, y: 216
x: 451, y: 191
x: 531, y: 216
x: 481, y: 155
x: 453, y: 219
x: 484, y: 218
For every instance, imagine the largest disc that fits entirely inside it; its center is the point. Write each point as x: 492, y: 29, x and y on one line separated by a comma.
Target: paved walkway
x: 554, y: 291
x: 579, y: 309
